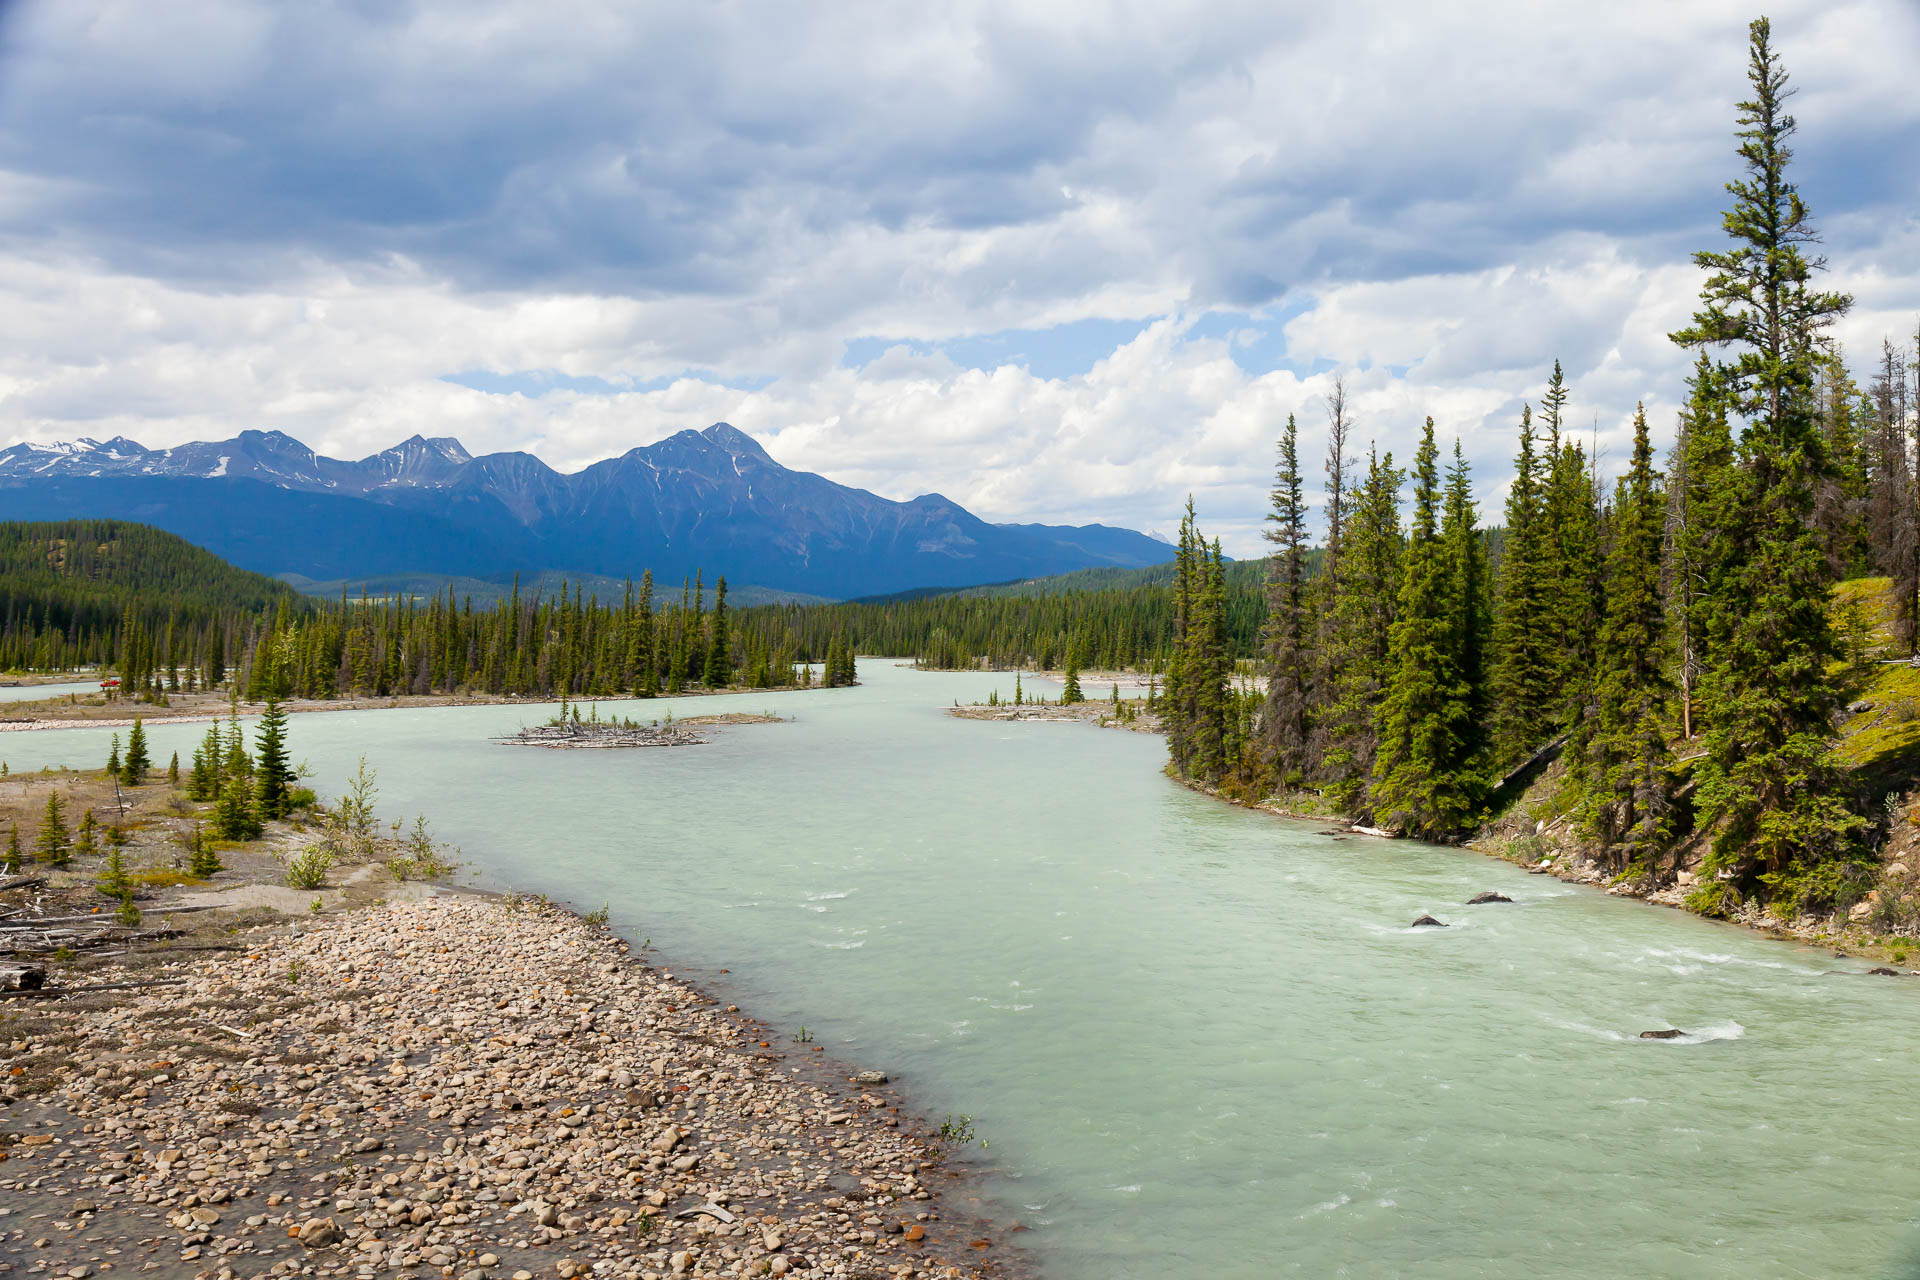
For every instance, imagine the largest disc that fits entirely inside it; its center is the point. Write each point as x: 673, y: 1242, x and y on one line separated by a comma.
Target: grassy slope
x: 1879, y: 745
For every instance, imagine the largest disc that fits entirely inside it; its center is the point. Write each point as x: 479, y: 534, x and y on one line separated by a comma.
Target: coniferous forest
x: 1673, y: 639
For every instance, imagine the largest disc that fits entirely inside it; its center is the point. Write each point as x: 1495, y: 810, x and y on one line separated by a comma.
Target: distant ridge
x: 712, y: 500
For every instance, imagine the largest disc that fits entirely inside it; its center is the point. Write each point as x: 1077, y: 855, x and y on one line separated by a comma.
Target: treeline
x: 167, y: 617
x: 1125, y: 627
x: 73, y: 593
x: 1407, y: 679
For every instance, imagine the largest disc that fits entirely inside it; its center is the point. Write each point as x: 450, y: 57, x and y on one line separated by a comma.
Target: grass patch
x: 162, y: 878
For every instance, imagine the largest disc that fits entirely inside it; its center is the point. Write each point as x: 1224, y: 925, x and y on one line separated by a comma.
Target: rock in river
x: 1488, y: 896
x: 1427, y: 922
x: 1669, y: 1034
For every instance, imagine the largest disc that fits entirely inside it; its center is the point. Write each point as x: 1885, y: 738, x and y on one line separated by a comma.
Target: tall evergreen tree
x: 1417, y: 786
x: 133, y: 770
x: 1472, y: 618
x: 275, y: 777
x: 1283, y: 719
x: 719, y: 673
x: 52, y: 845
x: 12, y: 860
x: 1629, y: 791
x: 1526, y: 677
x: 1365, y: 605
x: 1701, y: 514
x: 1769, y: 786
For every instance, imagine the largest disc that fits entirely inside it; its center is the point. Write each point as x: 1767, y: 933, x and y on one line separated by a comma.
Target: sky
x: 1062, y: 262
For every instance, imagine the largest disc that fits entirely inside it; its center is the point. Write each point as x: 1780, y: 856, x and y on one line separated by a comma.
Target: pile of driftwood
x: 28, y: 940
x: 600, y: 734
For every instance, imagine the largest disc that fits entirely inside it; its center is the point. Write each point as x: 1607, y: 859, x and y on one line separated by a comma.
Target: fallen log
x: 103, y: 918
x: 22, y: 977
x: 60, y: 993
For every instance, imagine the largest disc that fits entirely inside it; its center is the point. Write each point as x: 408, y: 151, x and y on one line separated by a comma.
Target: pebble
x: 425, y: 1088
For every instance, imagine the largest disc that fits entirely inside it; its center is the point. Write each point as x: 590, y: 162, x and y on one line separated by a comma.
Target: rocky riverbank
x: 451, y: 1087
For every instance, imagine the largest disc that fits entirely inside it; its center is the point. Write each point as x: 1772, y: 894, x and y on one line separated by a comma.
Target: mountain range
x: 710, y: 500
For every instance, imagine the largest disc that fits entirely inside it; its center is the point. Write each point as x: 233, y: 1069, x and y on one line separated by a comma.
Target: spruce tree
x: 113, y: 757
x: 1629, y: 805
x: 1702, y: 512
x: 1178, y: 714
x: 1770, y: 788
x: 1070, y: 690
x: 1570, y: 520
x: 1364, y: 607
x: 236, y: 816
x: 173, y: 770
x: 133, y: 771
x: 203, y: 861
x: 1325, y: 591
x: 1285, y: 730
x: 1526, y: 690
x: 52, y: 845
x: 114, y: 880
x: 274, y: 776
x: 14, y: 857
x: 719, y: 672
x: 1418, y: 787
x: 86, y: 836
x: 1472, y: 619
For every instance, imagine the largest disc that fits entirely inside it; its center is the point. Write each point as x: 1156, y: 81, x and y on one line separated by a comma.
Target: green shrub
x: 308, y: 868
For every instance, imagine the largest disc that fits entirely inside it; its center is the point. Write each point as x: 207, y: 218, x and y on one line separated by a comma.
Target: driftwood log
x: 22, y: 977
x: 595, y: 735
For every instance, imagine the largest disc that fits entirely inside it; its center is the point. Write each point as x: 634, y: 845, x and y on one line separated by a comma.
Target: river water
x: 1200, y: 1041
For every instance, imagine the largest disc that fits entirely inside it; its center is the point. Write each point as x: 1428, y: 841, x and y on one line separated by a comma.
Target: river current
x: 1196, y: 1040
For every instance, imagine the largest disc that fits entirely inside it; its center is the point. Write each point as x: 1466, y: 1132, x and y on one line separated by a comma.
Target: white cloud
x: 307, y: 217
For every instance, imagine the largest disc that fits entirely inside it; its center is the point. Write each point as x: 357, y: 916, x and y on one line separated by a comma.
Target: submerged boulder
x: 1885, y: 972
x: 1427, y: 922
x: 1669, y: 1034
x: 1488, y: 896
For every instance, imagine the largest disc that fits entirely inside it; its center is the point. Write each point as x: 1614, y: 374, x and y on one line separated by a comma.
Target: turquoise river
x: 1200, y: 1041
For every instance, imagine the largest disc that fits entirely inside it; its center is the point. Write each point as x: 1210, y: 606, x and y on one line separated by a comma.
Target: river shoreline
x: 389, y: 1078
x: 210, y: 708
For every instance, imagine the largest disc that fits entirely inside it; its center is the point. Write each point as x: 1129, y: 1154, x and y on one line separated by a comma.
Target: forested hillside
x: 76, y: 592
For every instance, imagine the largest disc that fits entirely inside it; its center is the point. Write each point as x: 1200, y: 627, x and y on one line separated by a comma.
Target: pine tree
x: 275, y: 777
x: 1285, y: 729
x: 52, y: 845
x: 1629, y: 803
x: 1417, y: 786
x: 1769, y: 786
x: 113, y: 757
x: 236, y: 816
x: 133, y: 771
x: 1701, y: 514
x: 719, y: 673
x: 86, y: 836
x: 14, y: 857
x: 1070, y: 691
x: 203, y: 861
x: 1325, y: 592
x: 173, y: 770
x: 1364, y: 608
x: 1893, y: 505
x: 114, y: 880
x: 644, y: 657
x: 1472, y: 618
x: 1526, y: 691
x: 1570, y: 522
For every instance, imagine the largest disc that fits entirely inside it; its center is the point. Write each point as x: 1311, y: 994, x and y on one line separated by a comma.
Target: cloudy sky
x: 1060, y: 262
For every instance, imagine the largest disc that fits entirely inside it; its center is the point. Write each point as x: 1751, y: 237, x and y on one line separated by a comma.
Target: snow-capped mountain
x: 710, y: 500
